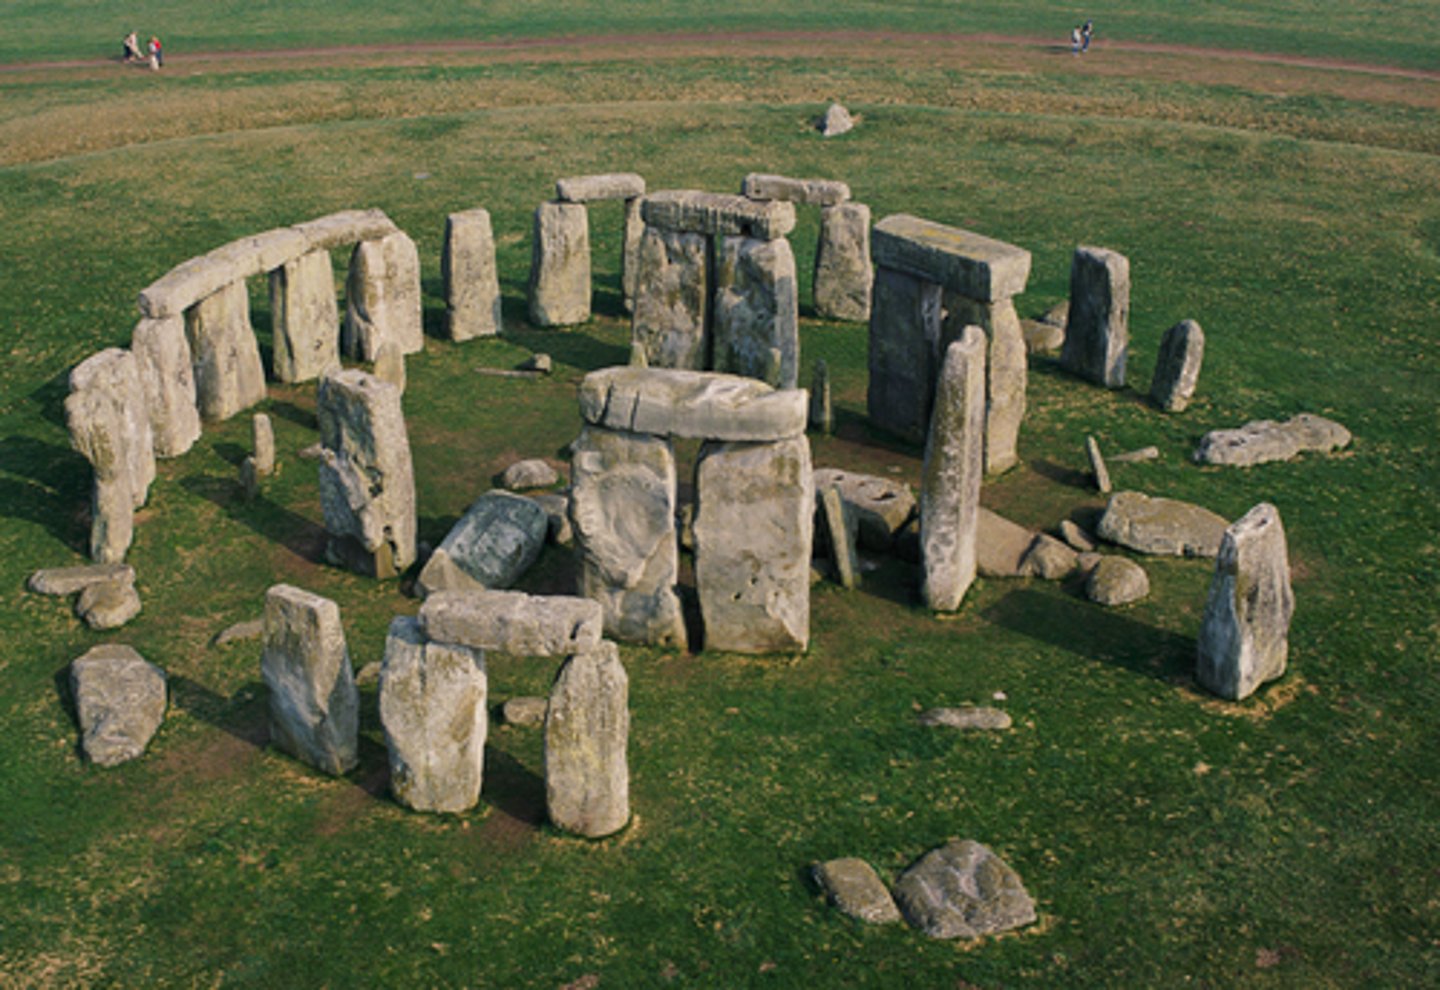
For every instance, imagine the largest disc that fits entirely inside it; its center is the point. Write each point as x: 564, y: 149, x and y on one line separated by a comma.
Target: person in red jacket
x: 157, y: 54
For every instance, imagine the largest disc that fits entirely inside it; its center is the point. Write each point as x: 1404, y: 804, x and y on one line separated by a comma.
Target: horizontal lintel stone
x: 513, y: 622
x: 689, y: 210
x: 813, y: 192
x: 695, y: 404
x: 962, y: 261
x: 346, y: 227
x: 593, y: 188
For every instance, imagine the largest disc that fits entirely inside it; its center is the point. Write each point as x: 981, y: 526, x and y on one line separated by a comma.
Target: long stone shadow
x: 571, y: 346
x: 50, y: 397
x: 302, y: 537
x: 49, y: 488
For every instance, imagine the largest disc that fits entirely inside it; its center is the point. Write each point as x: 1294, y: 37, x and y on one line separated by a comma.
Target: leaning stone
x: 240, y: 632
x: 1161, y: 526
x: 597, y: 188
x: 1136, y: 456
x: 1005, y: 371
x: 822, y: 410
x: 905, y: 320
x: 167, y: 376
x: 963, y: 890
x: 840, y: 530
x: 524, y: 711
x: 560, y: 265
x: 305, y: 318
x: 314, y: 707
x: 512, y: 622
x: 382, y: 298
x: 587, y: 730
x: 951, y: 474
x: 204, y: 275
x: 1078, y: 540
x: 108, y: 605
x: 228, y: 374
x: 672, y: 299
x: 717, y: 214
x: 835, y: 121
x: 390, y: 364
x: 68, y: 580
x: 755, y: 309
x: 1244, y: 635
x: 1047, y: 558
x: 471, y: 280
x: 492, y: 545
x: 1265, y: 440
x: 968, y: 717
x: 557, y: 514
x: 1117, y: 581
x: 532, y: 473
x: 881, y: 505
x: 343, y: 228
x: 1097, y: 336
x: 262, y: 443
x: 1000, y: 545
x: 813, y: 192
x: 1098, y: 471
x: 843, y: 273
x: 852, y: 886
x: 432, y: 707
x: 696, y: 404
x: 966, y: 263
x: 1177, y: 368
x: 120, y: 700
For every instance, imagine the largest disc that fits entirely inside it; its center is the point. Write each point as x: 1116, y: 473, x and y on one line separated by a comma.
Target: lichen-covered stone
x: 224, y: 354
x: 1161, y: 526
x: 472, y: 282
x: 382, y: 298
x: 587, y: 735
x: 756, y: 309
x: 843, y: 273
x: 345, y: 227
x: 512, y: 622
x: 951, y: 475
x: 314, y: 706
x: 672, y: 299
x: 120, y: 701
x: 1097, y: 334
x: 1001, y: 545
x: 836, y: 120
x: 491, y: 546
x: 108, y: 604
x: 1006, y: 372
x: 167, y: 376
x: 306, y: 318
x: 963, y: 890
x: 1047, y: 558
x: 822, y: 410
x: 1265, y: 440
x: 696, y: 404
x: 560, y: 265
x: 962, y: 261
x: 1117, y: 581
x: 524, y: 711
x: 631, y: 233
x: 262, y: 443
x: 1177, y: 367
x: 905, y: 320
x: 389, y: 364
x: 853, y: 887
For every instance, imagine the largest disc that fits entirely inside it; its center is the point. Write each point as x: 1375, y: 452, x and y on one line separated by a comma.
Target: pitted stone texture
x: 622, y: 509
x: 961, y: 261
x: 967, y: 718
x: 587, y: 735
x: 813, y: 192
x: 314, y: 707
x: 672, y: 299
x: 905, y: 320
x: 204, y: 275
x: 226, y: 358
x: 1097, y: 334
x: 432, y: 706
x: 344, y: 228
x: 1177, y: 367
x: 853, y: 887
x: 108, y: 604
x: 389, y: 364
x: 881, y: 505
x: 953, y: 467
x: 1245, y: 633
x: 696, y: 404
x: 597, y: 188
x: 531, y: 473
x: 306, y: 318
x: 367, y: 482
x: 717, y: 214
x: 262, y: 443
x: 1161, y: 526
x: 492, y: 545
x: 472, y: 282
x: 753, y: 529
x: 963, y: 890
x: 1117, y: 581
x: 1265, y: 440
x: 757, y: 309
x: 168, y: 378
x: 513, y: 622
x: 382, y: 298
x: 840, y: 532
x: 835, y: 121
x: 68, y: 580
x: 120, y: 700
x: 1098, y: 471
x: 822, y: 410
x: 560, y: 265
x: 632, y: 232
x: 843, y: 273
x: 1006, y: 372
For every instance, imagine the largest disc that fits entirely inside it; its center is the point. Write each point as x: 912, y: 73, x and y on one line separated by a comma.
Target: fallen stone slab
x: 240, y: 632
x: 513, y: 622
x: 968, y: 717
x: 1264, y: 440
x: 881, y: 505
x: 812, y: 192
x: 120, y: 701
x: 852, y: 886
x: 1098, y: 471
x: 108, y: 604
x: 1161, y: 526
x: 492, y: 545
x: 587, y: 736
x: 963, y: 890
x: 1116, y: 581
x: 1245, y: 632
x: 962, y: 261
x: 695, y: 404
x: 531, y: 473
x: 344, y: 228
x: 596, y: 188
x: 692, y: 211
x: 1137, y: 456
x: 525, y: 711
x: 68, y: 580
x: 838, y: 531
x: 204, y: 275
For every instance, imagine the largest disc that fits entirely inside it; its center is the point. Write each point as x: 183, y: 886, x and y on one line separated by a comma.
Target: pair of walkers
x: 1080, y: 38
x: 132, y: 53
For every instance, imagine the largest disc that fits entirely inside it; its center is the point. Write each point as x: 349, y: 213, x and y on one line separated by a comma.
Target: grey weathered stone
x: 1117, y: 581
x: 1041, y: 337
x: 596, y: 188
x: 696, y: 404
x: 813, y: 192
x: 112, y: 519
x: 1177, y: 367
x: 843, y: 273
x: 120, y: 701
x: 951, y: 475
x: 560, y: 265
x: 226, y: 358
x: 557, y: 514
x: 841, y: 533
x: 1099, y: 473
x: 1085, y: 563
x: 262, y: 443
x: 512, y: 622
x: 240, y: 632
x: 344, y: 228
x: 1133, y: 456
x: 1097, y: 334
x: 249, y: 478
x: 539, y: 363
x: 672, y: 299
x: 1074, y: 535
x: 108, y: 604
x: 1000, y: 545
x: 835, y: 121
x: 472, y: 282
x: 367, y: 481
x: 638, y: 359
x: 68, y: 580
x: 168, y: 379
x: 432, y: 706
x: 963, y: 890
x: 314, y: 707
x: 368, y: 676
x: 1006, y: 371
x: 716, y: 214
x: 382, y: 298
x: 905, y: 320
x: 204, y: 275
x: 852, y: 886
x: 881, y: 505
x: 530, y: 473
x: 1265, y: 440
x: 967, y: 717
x: 587, y: 734
x: 491, y: 546
x: 753, y: 527
x: 389, y: 364
x: 631, y: 233
x: 1161, y: 526
x: 822, y: 410
x: 525, y: 711
x: 622, y: 507
x: 305, y: 318
x: 756, y: 309
x: 1245, y: 633
x: 1047, y: 558
x: 964, y: 262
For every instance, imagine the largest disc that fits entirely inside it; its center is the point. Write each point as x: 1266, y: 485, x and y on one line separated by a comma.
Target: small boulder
x: 1078, y: 540
x: 1000, y: 545
x: 967, y: 717
x: 1048, y: 558
x: 1161, y: 526
x: 1117, y: 581
x: 963, y: 890
x: 240, y: 632
x: 1042, y: 338
x: 836, y: 120
x: 108, y: 605
x: 539, y: 363
x: 532, y: 473
x: 852, y: 885
x: 524, y: 711
x: 120, y: 701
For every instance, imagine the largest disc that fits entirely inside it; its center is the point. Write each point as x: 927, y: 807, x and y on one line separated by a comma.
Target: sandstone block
x: 560, y: 265
x: 305, y: 318
x: 953, y: 467
x: 228, y: 374
x: 472, y: 282
x: 587, y: 733
x: 512, y: 622
x: 1097, y: 336
x: 262, y: 443
x: 1001, y: 545
x: 672, y: 299
x: 120, y: 700
x: 108, y: 418
x: 68, y: 580
x: 1117, y: 581
x: 813, y: 192
x: 1048, y: 558
x: 1177, y: 367
x: 756, y: 309
x: 966, y: 263
x: 1006, y: 372
x: 852, y: 886
x: 389, y: 364
x: 691, y: 404
x: 1076, y: 537
x: 843, y: 273
x: 1265, y: 440
x: 1161, y: 526
x: 314, y: 707
x: 201, y: 277
x: 963, y: 890
x: 344, y: 228
x: 881, y: 505
x: 108, y: 604
x: 557, y: 513
x: 167, y: 376
x: 905, y: 321
x: 382, y: 298
x: 1245, y: 633
x: 530, y: 473
x: 596, y: 188
x: 717, y: 214
x: 524, y: 711
x: 491, y: 546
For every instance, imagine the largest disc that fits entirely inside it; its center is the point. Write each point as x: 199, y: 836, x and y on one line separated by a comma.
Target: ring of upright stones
x: 559, y: 288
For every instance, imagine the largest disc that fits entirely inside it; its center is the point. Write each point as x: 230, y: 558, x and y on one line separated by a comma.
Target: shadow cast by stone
x: 50, y: 478
x: 512, y: 789
x: 302, y: 537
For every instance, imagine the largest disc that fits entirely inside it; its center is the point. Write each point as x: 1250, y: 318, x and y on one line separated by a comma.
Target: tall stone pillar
x: 472, y: 284
x: 844, y: 276
x: 168, y: 377
x: 560, y: 265
x: 382, y: 298
x: 314, y: 707
x: 954, y: 466
x: 672, y: 299
x: 1006, y: 371
x: 306, y: 318
x: 757, y: 309
x: 904, y: 334
x: 228, y: 374
x: 1097, y: 333
x: 587, y: 737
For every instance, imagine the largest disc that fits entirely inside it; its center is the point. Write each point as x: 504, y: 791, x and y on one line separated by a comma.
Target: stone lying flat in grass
x: 852, y: 885
x: 1265, y: 440
x: 240, y: 632
x: 881, y: 506
x: 967, y: 717
x: 513, y: 622
x: 963, y: 890
x: 1117, y: 581
x: 1098, y: 471
x: 68, y: 580
x: 694, y: 404
x: 1161, y: 526
x: 1047, y: 558
x: 108, y: 604
x: 1137, y: 455
x: 1042, y: 338
x: 524, y: 711
x: 492, y: 545
x: 532, y: 473
x: 1007, y: 549
x: 120, y: 701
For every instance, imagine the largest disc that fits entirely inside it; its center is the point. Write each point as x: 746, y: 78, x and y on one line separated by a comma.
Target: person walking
x: 157, y: 54
x: 1075, y: 41
x: 1085, y: 33
x: 132, y: 49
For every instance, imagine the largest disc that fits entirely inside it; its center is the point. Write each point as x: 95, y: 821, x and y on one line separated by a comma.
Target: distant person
x: 1085, y: 33
x: 1075, y: 41
x: 132, y: 49
x: 157, y: 54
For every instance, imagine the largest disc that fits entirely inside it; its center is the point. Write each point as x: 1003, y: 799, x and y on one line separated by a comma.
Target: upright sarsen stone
x: 472, y: 284
x: 306, y: 318
x: 314, y: 707
x: 587, y: 734
x: 757, y: 309
x: 672, y: 299
x: 1097, y: 333
x: 382, y: 298
x: 560, y: 265
x: 1177, y: 368
x: 168, y: 378
x: 843, y: 273
x: 904, y: 334
x: 228, y: 374
x: 632, y: 232
x: 1006, y: 371
x: 954, y: 465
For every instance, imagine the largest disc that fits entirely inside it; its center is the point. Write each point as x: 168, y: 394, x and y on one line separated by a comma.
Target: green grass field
x: 1170, y: 839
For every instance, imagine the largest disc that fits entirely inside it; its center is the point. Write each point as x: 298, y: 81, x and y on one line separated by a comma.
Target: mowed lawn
x: 1169, y: 838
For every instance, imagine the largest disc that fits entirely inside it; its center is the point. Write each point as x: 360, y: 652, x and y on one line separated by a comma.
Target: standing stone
x: 491, y: 546
x: 432, y: 705
x: 390, y: 364
x: 672, y: 298
x: 1006, y: 371
x: 963, y: 890
x: 1244, y: 635
x: 587, y: 732
x: 904, y: 333
x: 822, y: 410
x: 843, y: 273
x: 367, y: 482
x: 560, y: 265
x: 953, y: 468
x: 120, y: 701
x: 631, y: 233
x: 841, y: 531
x: 472, y: 283
x: 382, y: 298
x: 250, y: 478
x: 1097, y: 334
x: 314, y: 707
x: 228, y: 374
x: 262, y: 443
x: 622, y: 511
x: 168, y: 378
x: 756, y: 309
x: 753, y: 529
x: 1177, y: 368
x: 306, y: 318
x: 1098, y: 471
